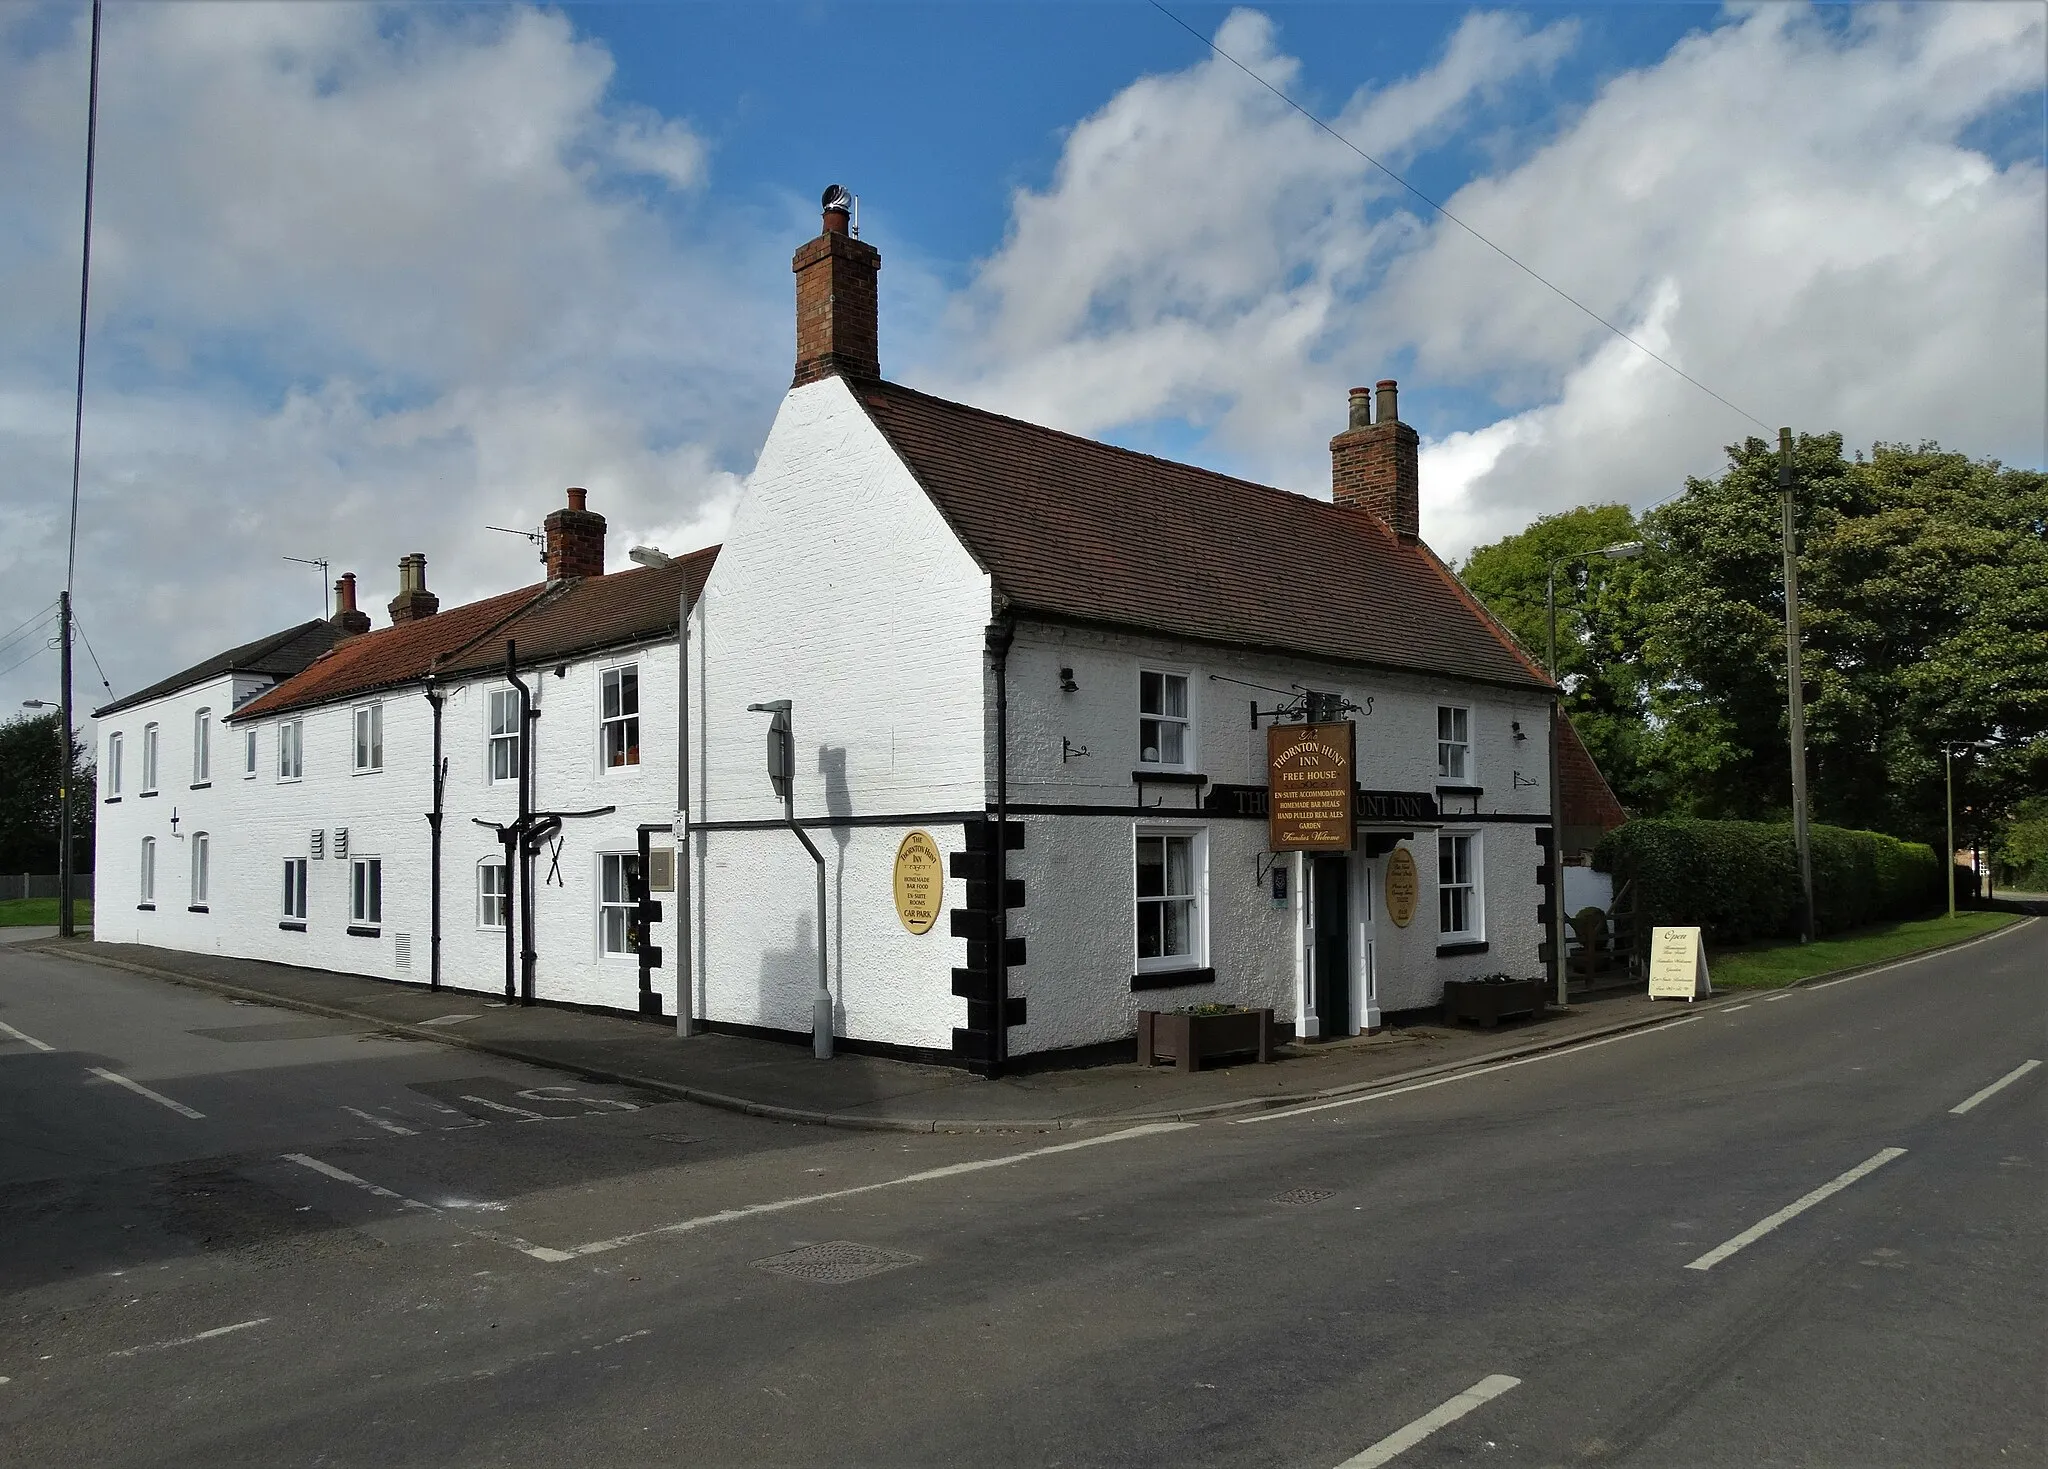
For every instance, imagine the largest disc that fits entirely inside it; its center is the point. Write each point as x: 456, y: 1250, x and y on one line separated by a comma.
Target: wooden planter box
x: 1190, y: 1040
x: 1490, y: 1001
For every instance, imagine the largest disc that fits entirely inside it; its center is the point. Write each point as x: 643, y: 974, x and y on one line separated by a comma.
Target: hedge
x: 1739, y: 880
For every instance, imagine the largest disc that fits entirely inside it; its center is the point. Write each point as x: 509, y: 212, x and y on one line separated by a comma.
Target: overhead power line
x: 1533, y: 274
x: 94, y: 655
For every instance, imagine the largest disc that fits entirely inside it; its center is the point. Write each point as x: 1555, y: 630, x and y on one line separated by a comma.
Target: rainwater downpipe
x: 1002, y: 631
x: 686, y: 983
x: 527, y: 717
x: 435, y: 699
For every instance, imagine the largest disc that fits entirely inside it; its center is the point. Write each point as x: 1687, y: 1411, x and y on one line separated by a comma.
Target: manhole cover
x: 835, y: 1262
x: 1305, y: 1196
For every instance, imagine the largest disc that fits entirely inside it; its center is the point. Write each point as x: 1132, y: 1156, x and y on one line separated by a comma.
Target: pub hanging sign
x: 1309, y: 769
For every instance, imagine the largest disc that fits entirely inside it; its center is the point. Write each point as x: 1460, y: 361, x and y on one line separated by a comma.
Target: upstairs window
x: 369, y: 738
x: 1453, y: 743
x: 110, y: 777
x: 249, y: 753
x: 504, y: 736
x: 202, y: 746
x: 493, y: 896
x: 146, y: 886
x: 202, y: 857
x: 291, y: 764
x: 149, y: 757
x: 621, y: 716
x: 295, y: 888
x: 1163, y: 720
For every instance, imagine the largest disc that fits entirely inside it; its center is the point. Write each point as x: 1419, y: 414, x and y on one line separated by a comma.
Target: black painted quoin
x: 983, y: 980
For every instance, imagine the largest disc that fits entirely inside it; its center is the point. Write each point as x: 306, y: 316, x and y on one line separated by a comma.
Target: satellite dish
x: 836, y: 197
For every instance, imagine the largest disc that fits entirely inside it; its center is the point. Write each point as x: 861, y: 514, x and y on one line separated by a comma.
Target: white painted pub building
x: 1057, y: 659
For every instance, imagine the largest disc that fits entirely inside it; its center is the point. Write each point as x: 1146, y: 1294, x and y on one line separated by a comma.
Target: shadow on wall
x: 788, y: 977
x: 839, y: 806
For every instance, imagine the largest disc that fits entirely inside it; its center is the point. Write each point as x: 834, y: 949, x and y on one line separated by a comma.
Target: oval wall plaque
x: 1401, y: 886
x: 920, y: 881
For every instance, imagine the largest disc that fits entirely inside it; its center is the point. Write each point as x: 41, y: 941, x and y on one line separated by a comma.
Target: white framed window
x: 1165, y: 736
x: 502, y: 761
x: 146, y: 885
x: 493, y: 895
x: 369, y: 738
x: 1459, y: 893
x: 295, y: 888
x: 110, y: 774
x: 291, y: 760
x: 202, y: 858
x: 202, y: 746
x: 615, y: 902
x: 1169, y: 909
x: 619, y: 716
x: 366, y: 891
x: 1453, y: 743
x: 249, y: 753
x: 149, y: 757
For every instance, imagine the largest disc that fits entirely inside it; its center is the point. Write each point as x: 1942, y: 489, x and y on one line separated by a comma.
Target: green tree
x: 31, y: 770
x: 1600, y: 634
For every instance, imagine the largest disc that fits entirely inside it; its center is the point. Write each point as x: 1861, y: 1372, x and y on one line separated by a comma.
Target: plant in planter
x: 1491, y: 999
x: 1197, y: 1033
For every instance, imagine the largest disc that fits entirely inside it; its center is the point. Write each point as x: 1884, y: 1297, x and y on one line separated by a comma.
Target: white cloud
x: 365, y: 280
x: 1784, y: 205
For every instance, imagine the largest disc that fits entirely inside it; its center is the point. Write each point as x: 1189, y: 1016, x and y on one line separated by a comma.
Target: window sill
x: 292, y: 925
x: 1461, y: 946
x: 359, y: 931
x: 369, y: 770
x: 110, y: 801
x: 145, y: 907
x: 144, y: 795
x: 1166, y: 979
x: 197, y: 908
x: 202, y: 785
x: 1160, y: 776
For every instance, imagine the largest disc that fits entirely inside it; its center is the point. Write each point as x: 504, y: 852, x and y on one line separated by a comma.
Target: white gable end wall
x: 841, y: 588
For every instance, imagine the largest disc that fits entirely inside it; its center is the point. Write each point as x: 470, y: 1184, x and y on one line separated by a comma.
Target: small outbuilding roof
x: 279, y: 655
x: 550, y: 621
x: 1073, y: 528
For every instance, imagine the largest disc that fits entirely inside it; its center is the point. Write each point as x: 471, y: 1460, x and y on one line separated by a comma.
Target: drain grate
x: 835, y: 1262
x: 1305, y: 1196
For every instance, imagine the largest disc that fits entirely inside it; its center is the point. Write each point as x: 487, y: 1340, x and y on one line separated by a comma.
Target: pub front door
x: 1329, y: 917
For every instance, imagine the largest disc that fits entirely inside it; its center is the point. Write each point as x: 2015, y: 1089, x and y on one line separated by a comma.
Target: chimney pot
x: 347, y: 620
x: 1389, y: 410
x: 1361, y: 408
x: 579, y: 499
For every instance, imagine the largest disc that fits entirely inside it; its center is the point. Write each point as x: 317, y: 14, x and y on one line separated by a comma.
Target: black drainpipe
x: 1001, y: 632
x: 435, y: 698
x: 527, y: 957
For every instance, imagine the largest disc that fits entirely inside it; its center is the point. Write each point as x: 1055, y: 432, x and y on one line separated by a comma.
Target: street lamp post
x: 66, y: 770
x: 1948, y: 809
x: 1620, y: 551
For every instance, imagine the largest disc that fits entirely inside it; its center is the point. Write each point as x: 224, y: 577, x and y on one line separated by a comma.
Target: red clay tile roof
x: 1074, y: 528
x: 550, y: 623
x: 1583, y: 792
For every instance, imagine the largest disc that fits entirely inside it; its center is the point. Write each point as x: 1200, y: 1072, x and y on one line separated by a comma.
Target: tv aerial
x: 326, y: 589
x: 535, y: 538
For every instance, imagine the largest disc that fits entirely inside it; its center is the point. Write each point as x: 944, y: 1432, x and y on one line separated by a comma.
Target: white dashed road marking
x: 525, y: 1247
x: 185, y: 1341
x: 1792, y: 1210
x: 2004, y: 1081
x: 376, y: 1121
x: 1403, y: 1439
x: 142, y: 1091
x: 28, y: 1039
x: 505, y: 1107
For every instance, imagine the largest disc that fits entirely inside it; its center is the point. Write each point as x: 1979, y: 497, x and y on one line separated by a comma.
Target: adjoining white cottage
x: 971, y: 615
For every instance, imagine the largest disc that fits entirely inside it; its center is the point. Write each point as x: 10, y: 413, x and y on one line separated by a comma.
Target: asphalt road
x: 365, y: 1251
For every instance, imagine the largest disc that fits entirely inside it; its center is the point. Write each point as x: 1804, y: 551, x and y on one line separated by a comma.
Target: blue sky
x: 370, y: 278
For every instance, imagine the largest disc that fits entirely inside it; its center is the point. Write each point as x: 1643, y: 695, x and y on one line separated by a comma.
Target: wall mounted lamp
x: 1067, y: 684
x: 1516, y: 726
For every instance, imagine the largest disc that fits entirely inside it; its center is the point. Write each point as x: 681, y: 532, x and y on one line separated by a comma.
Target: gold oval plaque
x: 920, y: 882
x: 1401, y: 887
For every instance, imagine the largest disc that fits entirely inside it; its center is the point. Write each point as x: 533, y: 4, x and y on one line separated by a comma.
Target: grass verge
x: 1778, y: 965
x: 40, y: 913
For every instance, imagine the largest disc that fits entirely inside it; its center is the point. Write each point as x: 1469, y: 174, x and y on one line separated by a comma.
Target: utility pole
x: 1795, y: 688
x: 1948, y: 810
x: 66, y: 773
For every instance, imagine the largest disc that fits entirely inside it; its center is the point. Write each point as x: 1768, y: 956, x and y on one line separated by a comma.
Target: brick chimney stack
x: 575, y: 539
x: 835, y: 299
x: 350, y: 622
x: 413, y: 601
x: 1374, y: 462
